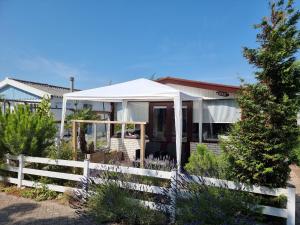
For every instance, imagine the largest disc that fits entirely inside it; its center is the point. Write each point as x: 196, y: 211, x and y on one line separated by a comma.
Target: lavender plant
x: 108, y: 197
x: 200, y: 203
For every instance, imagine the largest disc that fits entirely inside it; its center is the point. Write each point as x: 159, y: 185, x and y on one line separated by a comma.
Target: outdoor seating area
x: 107, y: 153
x: 133, y: 142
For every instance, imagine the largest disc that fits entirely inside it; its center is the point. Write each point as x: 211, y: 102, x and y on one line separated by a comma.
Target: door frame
x: 169, y: 126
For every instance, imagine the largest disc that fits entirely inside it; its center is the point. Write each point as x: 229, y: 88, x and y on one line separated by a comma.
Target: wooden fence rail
x: 173, y: 177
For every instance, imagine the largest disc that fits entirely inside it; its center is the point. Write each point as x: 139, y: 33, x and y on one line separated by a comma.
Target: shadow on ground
x: 297, y: 209
x: 9, y: 216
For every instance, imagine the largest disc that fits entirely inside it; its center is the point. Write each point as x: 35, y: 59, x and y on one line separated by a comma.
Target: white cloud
x: 43, y: 65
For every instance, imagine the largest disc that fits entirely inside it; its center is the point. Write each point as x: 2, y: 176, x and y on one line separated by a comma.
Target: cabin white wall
x: 201, y: 92
x: 218, y: 109
x: 214, y: 111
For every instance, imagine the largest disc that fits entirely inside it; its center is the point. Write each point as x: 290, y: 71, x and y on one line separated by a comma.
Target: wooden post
x: 74, y: 139
x: 291, y: 206
x: 95, y: 135
x: 20, y: 170
x: 142, y: 153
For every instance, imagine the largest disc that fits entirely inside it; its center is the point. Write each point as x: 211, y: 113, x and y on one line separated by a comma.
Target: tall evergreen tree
x: 259, y: 145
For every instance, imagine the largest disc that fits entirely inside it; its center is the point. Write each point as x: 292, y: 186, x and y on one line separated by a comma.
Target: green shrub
x: 211, y: 205
x: 118, y: 127
x: 27, y: 132
x: 62, y: 151
x: 204, y: 162
x: 39, y: 192
x: 110, y: 203
x: 3, y: 148
x: 295, y: 153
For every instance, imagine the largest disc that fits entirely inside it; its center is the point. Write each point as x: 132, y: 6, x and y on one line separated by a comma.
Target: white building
x: 14, y: 91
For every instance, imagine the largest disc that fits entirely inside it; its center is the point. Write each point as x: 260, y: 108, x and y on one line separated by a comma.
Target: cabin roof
x: 198, y: 84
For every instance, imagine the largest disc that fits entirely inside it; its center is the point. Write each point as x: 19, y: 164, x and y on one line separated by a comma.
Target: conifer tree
x: 259, y: 145
x: 27, y: 132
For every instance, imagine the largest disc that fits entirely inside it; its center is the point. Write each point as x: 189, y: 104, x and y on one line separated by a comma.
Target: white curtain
x: 124, y: 110
x: 137, y: 111
x: 221, y: 111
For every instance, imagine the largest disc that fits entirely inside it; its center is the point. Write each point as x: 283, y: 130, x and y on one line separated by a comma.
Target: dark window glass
x: 211, y: 131
x: 88, y: 106
x: 159, y: 122
x: 195, y: 133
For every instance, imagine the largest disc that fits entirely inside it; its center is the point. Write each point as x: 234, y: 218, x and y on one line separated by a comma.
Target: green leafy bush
x: 204, y: 162
x: 39, y: 193
x: 62, y: 151
x: 27, y: 132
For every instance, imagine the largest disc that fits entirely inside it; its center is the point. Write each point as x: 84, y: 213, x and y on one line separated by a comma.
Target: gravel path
x: 22, y: 211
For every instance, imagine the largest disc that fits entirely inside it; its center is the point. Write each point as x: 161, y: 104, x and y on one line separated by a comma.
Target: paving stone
x: 295, y: 179
x: 21, y: 211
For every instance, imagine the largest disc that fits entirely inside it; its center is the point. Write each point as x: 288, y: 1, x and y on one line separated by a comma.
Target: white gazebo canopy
x: 135, y: 90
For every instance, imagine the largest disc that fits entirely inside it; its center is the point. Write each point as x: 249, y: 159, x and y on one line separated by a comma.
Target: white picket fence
x: 173, y: 176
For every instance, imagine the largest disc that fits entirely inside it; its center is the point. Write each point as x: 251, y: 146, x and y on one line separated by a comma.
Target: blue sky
x: 99, y: 41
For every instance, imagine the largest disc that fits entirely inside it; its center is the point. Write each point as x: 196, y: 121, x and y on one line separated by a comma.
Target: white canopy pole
x: 63, y: 116
x: 200, y: 119
x: 178, y: 128
x: 124, y: 117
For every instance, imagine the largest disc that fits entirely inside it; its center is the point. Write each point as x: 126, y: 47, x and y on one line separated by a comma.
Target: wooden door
x: 161, y: 128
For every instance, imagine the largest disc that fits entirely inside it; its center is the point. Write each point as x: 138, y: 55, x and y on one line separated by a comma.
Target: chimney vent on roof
x: 72, y: 84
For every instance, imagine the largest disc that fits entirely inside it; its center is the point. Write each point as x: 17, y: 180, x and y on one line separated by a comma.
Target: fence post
x: 291, y: 205
x: 7, y: 158
x: 173, y: 193
x: 20, y: 170
x: 86, y: 174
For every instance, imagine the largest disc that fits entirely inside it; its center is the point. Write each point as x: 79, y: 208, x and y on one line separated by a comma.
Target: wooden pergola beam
x: 94, y: 122
x: 109, y: 122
